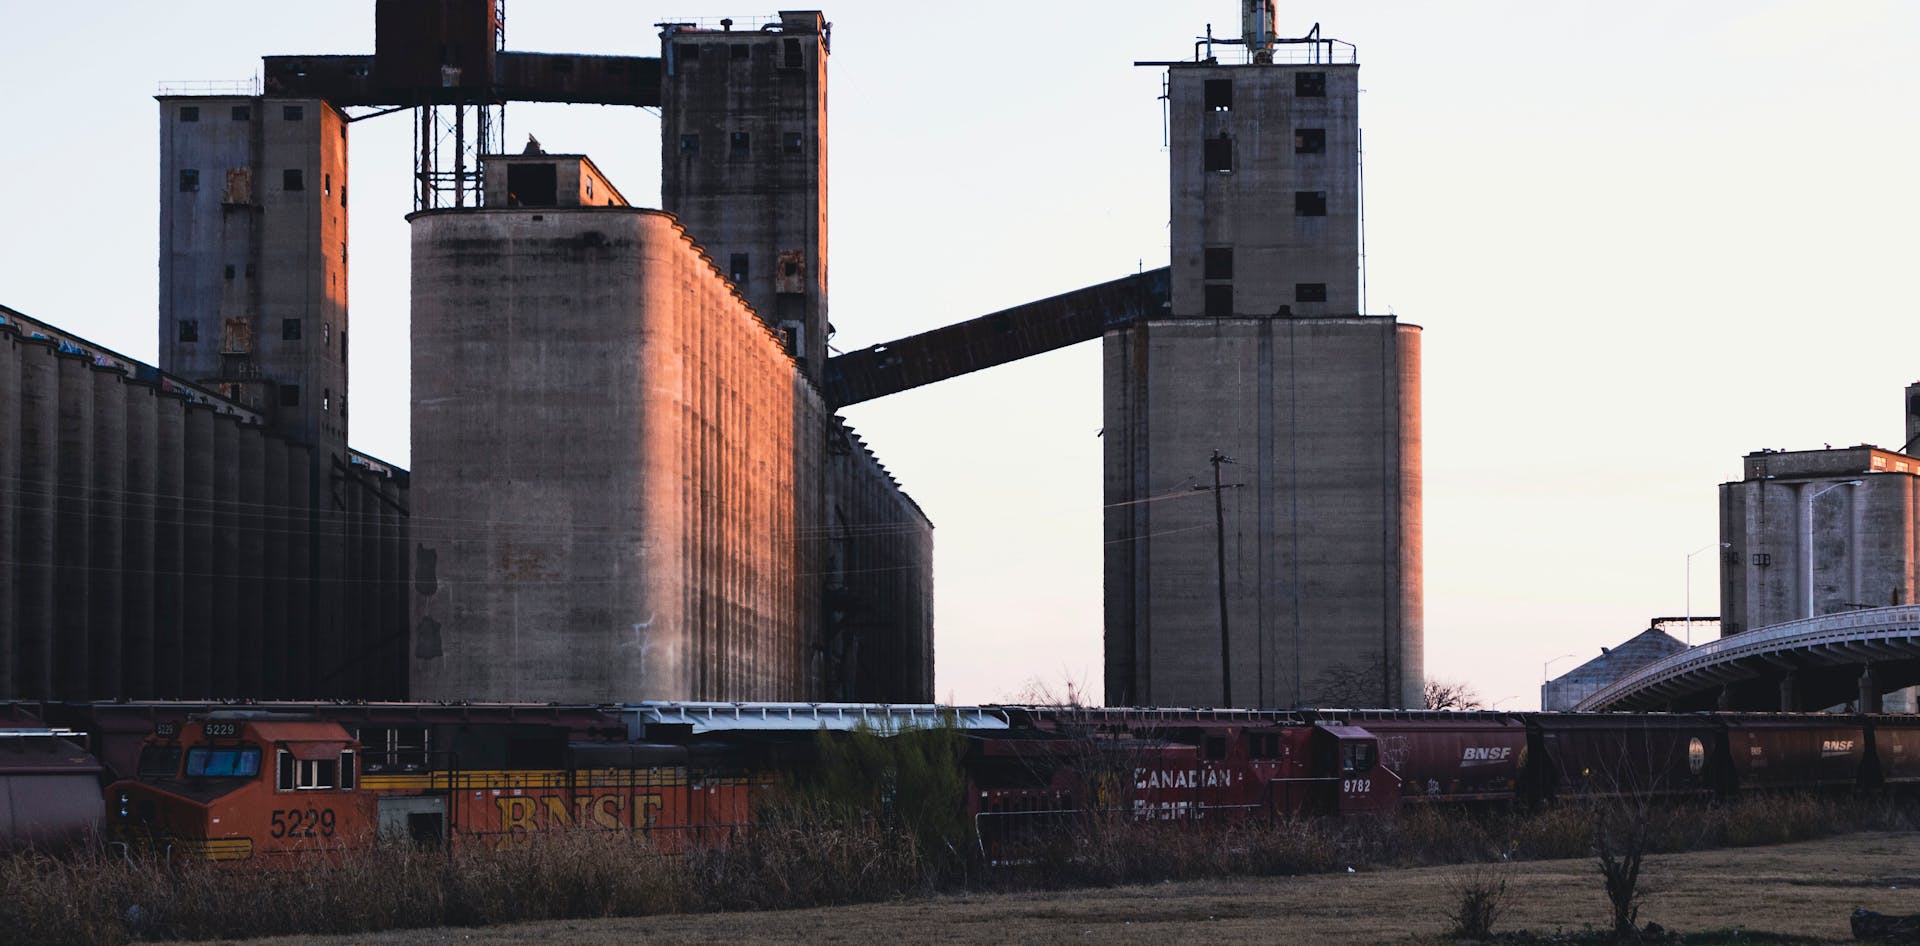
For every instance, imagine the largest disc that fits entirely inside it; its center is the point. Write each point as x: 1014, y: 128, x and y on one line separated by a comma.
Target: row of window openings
x: 244, y: 113
x: 1216, y: 153
x: 1216, y: 266
x: 291, y: 330
x: 1217, y: 299
x: 291, y: 179
x: 1218, y: 93
x: 791, y: 56
x: 241, y: 113
x: 739, y: 264
x: 740, y: 144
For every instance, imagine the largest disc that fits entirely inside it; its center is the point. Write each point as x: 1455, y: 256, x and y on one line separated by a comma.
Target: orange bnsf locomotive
x: 238, y: 785
x: 246, y: 784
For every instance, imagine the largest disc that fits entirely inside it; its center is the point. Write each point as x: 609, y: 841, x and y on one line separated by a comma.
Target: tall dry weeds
x: 800, y: 853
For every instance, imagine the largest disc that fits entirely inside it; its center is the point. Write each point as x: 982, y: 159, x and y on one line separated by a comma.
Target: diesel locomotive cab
x: 235, y: 786
x: 1354, y: 780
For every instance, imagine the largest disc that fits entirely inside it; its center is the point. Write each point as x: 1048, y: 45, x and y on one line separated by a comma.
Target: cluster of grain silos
x: 157, y: 541
x: 655, y: 473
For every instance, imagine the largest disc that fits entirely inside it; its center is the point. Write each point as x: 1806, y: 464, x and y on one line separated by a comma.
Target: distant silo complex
x: 1266, y: 357
x: 1812, y: 532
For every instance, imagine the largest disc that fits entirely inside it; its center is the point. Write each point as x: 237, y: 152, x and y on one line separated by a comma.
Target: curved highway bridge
x: 1848, y: 657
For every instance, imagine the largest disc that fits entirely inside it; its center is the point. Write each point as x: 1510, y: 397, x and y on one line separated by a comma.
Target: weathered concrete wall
x: 253, y: 257
x: 1866, y: 543
x: 743, y: 142
x: 1253, y: 210
x: 607, y: 444
x: 878, y: 642
x: 145, y: 537
x: 1323, y: 533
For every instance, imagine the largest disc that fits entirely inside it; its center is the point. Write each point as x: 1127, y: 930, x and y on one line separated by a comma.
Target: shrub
x: 1481, y: 896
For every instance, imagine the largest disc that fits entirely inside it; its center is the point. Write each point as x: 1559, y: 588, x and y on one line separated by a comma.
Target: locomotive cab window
x: 242, y: 762
x: 1265, y: 745
x: 159, y: 761
x: 1356, y: 758
x: 300, y: 775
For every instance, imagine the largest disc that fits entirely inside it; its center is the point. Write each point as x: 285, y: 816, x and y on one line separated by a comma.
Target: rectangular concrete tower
x: 253, y: 256
x: 744, y: 163
x: 1265, y: 357
x: 253, y: 304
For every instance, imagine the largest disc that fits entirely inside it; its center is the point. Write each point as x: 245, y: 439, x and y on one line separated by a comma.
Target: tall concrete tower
x: 1304, y: 585
x: 744, y: 163
x: 253, y: 257
x: 253, y: 304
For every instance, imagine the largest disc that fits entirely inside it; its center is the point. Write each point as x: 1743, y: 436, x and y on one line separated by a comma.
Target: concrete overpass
x: 1846, y: 657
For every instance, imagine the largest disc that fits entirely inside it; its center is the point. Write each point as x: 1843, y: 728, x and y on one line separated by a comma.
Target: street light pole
x: 1546, y: 668
x: 1816, y: 494
x: 1690, y: 555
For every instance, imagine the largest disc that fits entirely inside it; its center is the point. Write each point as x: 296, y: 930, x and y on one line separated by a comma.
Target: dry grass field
x: 1799, y: 890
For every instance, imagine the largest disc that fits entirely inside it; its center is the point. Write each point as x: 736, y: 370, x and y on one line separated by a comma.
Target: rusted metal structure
x: 1034, y: 328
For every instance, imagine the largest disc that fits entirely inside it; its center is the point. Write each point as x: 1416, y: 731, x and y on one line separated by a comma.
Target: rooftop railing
x: 248, y: 87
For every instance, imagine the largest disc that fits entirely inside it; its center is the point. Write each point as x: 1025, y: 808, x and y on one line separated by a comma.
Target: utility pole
x: 1220, y: 559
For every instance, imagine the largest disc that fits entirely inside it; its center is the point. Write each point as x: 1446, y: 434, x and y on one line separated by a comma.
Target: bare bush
x: 1480, y: 893
x: 1622, y: 834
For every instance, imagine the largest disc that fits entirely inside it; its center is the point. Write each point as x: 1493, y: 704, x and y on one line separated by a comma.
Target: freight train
x: 265, y: 781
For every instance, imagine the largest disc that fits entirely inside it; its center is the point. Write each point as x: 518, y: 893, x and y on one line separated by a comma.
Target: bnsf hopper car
x: 1895, y: 744
x: 1572, y: 755
x: 1450, y: 757
x: 1796, y: 752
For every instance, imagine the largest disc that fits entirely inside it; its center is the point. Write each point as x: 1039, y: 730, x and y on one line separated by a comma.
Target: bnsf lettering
x: 1480, y: 755
x: 1836, y: 746
x: 611, y: 810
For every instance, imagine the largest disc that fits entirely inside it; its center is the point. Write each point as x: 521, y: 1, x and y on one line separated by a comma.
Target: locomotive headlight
x: 126, y: 805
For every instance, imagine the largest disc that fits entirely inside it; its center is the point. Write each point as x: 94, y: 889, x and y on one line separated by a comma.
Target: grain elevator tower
x: 1304, y: 587
x: 253, y: 256
x: 744, y: 163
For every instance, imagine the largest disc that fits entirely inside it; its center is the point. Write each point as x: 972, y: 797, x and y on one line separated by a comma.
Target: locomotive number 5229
x: 303, y: 823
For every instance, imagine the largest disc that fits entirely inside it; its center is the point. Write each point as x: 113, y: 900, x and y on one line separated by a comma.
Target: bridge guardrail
x: 1837, y: 627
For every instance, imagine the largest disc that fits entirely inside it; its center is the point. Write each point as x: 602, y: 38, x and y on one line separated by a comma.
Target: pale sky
x: 1644, y: 239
